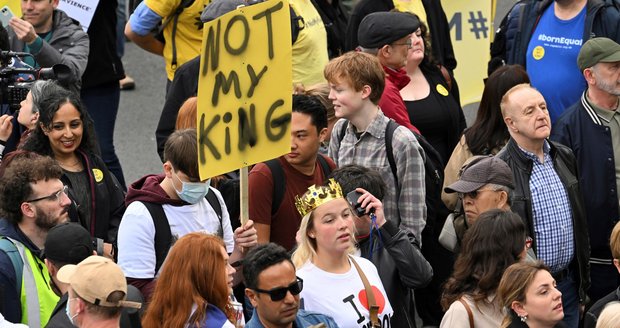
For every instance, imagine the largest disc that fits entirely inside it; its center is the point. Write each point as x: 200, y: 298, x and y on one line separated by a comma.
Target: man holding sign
x: 50, y: 36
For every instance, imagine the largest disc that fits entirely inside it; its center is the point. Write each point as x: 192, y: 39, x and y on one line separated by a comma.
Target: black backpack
x: 436, y: 211
x: 163, y: 234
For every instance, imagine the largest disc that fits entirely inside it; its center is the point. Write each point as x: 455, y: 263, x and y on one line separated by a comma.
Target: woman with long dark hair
x: 496, y: 241
x: 488, y: 134
x: 65, y: 133
x: 194, y: 287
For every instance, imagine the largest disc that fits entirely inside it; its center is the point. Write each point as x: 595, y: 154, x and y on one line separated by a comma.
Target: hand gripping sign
x: 244, y: 90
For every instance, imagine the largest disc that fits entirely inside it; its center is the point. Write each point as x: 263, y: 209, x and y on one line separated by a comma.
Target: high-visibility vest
x: 36, y: 291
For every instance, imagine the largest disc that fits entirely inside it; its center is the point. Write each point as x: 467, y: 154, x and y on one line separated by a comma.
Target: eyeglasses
x: 473, y: 194
x: 407, y: 43
x: 53, y: 197
x: 528, y: 242
x: 278, y: 294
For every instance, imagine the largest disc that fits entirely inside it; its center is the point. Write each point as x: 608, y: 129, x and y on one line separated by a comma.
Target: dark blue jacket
x: 580, y: 129
x: 304, y: 319
x: 602, y: 19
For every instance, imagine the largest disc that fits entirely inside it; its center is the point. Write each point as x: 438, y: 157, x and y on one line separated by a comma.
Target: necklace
x: 68, y: 166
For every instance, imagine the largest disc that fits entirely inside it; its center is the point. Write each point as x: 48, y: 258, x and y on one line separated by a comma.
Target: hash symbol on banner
x: 478, y: 25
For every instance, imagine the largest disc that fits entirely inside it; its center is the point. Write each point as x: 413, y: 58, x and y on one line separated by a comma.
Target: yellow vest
x: 36, y: 292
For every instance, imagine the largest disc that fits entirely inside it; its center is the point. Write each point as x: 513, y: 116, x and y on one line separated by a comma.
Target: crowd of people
x: 388, y: 211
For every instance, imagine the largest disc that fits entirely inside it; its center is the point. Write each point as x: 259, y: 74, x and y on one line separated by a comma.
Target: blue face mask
x: 192, y: 192
x: 71, y: 318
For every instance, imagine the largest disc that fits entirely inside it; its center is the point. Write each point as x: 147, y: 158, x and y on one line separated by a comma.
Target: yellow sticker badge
x: 538, y: 53
x: 98, y: 175
x: 442, y: 90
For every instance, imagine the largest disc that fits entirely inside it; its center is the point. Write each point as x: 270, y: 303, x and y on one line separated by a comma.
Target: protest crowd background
x: 309, y: 163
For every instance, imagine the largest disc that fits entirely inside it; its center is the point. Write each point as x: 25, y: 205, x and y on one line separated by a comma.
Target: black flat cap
x: 381, y: 28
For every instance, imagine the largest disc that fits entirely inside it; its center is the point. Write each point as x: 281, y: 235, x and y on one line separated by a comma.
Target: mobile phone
x: 352, y: 198
x: 5, y: 15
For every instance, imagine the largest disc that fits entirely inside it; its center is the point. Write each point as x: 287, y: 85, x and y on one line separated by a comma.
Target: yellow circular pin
x: 538, y: 53
x: 98, y: 175
x: 442, y: 90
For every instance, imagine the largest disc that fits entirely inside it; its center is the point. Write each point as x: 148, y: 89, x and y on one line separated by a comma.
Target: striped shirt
x: 405, y: 202
x: 551, y: 210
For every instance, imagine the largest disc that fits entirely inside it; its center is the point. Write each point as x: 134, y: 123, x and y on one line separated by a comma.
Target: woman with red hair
x: 194, y: 287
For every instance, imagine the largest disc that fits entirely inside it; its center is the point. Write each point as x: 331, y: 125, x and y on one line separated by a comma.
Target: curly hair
x: 20, y: 170
x: 492, y: 244
x: 53, y: 96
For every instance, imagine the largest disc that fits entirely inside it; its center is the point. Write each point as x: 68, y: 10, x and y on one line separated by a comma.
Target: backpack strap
x: 215, y: 203
x: 279, y: 183
x: 389, y: 133
x: 470, y: 315
x: 175, y: 20
x: 324, y: 165
x: 343, y: 131
x: 18, y: 264
x: 163, y: 234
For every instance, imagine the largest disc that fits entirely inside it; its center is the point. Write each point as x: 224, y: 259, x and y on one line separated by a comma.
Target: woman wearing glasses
x: 431, y: 97
x: 496, y: 241
x: 194, y: 287
x: 65, y: 133
x: 336, y: 283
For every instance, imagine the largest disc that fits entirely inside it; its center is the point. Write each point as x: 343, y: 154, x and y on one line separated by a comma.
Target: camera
x: 13, y: 84
x: 358, y: 210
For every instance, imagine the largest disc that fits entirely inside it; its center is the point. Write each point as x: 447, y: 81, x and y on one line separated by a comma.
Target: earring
x: 523, y: 318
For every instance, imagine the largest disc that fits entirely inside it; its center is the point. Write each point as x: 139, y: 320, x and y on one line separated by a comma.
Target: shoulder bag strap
x: 372, y: 304
x: 470, y: 315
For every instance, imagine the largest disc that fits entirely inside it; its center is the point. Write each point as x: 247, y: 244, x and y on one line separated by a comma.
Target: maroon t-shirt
x: 285, y: 222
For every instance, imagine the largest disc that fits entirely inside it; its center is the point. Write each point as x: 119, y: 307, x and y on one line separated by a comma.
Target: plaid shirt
x: 551, y: 209
x: 405, y: 202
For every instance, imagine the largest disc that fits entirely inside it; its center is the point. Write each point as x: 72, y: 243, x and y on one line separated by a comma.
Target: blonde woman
x: 610, y: 317
x: 333, y: 278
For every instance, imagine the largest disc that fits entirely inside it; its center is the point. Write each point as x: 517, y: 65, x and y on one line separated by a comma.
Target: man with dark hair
x: 67, y: 243
x: 175, y: 203
x: 50, y: 36
x: 273, y: 289
x: 271, y: 199
x: 395, y: 252
x: 32, y: 201
x: 97, y: 292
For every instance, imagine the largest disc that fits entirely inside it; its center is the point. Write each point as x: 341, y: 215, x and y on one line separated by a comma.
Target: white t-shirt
x: 136, y: 234
x: 340, y: 295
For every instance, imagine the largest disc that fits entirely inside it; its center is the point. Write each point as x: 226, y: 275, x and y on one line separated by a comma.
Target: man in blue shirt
x: 273, y: 289
x: 547, y: 195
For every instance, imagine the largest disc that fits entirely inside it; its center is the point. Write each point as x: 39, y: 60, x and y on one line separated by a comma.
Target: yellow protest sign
x: 14, y: 7
x: 471, y: 31
x: 244, y: 89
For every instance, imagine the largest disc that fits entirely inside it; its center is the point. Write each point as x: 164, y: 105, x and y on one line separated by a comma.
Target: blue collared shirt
x: 304, y: 319
x: 551, y: 209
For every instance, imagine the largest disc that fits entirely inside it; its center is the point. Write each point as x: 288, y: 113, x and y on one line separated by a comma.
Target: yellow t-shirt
x: 411, y: 6
x: 310, y: 49
x: 188, y: 37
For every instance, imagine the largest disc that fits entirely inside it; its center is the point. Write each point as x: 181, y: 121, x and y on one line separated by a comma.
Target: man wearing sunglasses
x: 32, y: 201
x: 273, y: 289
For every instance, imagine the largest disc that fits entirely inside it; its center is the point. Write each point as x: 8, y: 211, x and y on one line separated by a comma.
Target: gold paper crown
x: 317, y: 196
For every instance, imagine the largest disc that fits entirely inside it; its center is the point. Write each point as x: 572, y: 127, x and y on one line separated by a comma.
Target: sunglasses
x: 473, y: 194
x: 278, y: 294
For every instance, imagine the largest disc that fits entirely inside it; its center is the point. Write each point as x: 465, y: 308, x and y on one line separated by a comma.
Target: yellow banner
x: 471, y: 31
x: 9, y: 8
x: 244, y: 90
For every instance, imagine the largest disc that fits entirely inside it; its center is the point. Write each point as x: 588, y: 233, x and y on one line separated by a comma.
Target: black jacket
x: 401, y: 267
x: 59, y: 317
x: 107, y: 199
x: 436, y: 21
x: 566, y: 167
x: 104, y: 66
x: 591, y: 317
